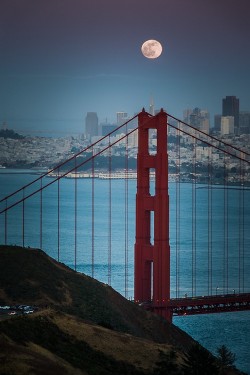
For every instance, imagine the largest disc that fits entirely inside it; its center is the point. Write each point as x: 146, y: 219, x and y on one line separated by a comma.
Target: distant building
x: 91, y: 124
x: 217, y: 123
x: 186, y: 115
x: 121, y: 117
x: 133, y: 123
x: 227, y: 125
x: 107, y: 128
x: 230, y: 107
x: 244, y: 121
x: 152, y: 107
x: 133, y: 140
x: 198, y: 118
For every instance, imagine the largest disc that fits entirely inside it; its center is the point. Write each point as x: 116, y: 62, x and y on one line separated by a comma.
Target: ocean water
x: 62, y: 224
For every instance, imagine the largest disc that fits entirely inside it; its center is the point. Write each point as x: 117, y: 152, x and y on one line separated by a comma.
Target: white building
x: 227, y: 125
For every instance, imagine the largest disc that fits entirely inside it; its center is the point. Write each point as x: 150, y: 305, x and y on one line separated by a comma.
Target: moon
x: 151, y: 49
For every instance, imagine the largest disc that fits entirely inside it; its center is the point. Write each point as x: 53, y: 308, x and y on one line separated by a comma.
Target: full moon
x: 151, y: 49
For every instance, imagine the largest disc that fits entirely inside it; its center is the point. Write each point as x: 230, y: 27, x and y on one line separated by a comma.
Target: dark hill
x: 82, y: 326
x: 29, y: 276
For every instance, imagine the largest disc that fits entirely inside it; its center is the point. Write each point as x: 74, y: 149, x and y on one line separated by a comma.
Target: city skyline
x: 91, y: 125
x: 61, y: 61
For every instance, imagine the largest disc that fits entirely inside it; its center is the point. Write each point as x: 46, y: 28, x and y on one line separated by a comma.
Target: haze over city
x: 62, y: 59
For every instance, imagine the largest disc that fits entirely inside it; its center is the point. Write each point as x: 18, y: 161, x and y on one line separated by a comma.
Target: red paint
x: 156, y: 255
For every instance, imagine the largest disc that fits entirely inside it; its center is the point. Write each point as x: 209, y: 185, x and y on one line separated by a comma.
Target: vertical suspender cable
x: 41, y: 213
x: 239, y: 231
x: 6, y: 222
x: 241, y: 226
x: 209, y: 222
x: 75, y: 170
x: 110, y: 215
x: 93, y: 213
x: 225, y: 253
x: 194, y: 220
x: 227, y: 232
x: 126, y: 215
x: 243, y: 229
x: 177, y: 211
x: 23, y: 230
x: 208, y: 230
x: 58, y: 216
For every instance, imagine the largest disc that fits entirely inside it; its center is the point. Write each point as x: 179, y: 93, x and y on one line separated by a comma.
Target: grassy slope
x: 48, y: 336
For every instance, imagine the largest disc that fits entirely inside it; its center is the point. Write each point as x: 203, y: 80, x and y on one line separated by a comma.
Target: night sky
x: 60, y: 59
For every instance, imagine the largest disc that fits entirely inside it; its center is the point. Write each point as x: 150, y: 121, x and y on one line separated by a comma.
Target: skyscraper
x: 217, y: 123
x: 199, y: 119
x: 91, y: 124
x: 244, y: 122
x: 230, y: 107
x: 227, y: 125
x: 121, y: 118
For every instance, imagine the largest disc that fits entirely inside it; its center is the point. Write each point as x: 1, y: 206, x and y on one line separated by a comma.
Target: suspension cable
x: 5, y: 222
x: 243, y: 230
x: 210, y: 136
x: 75, y: 193
x: 88, y: 148
x: 93, y: 213
x: 225, y: 253
x: 41, y: 214
x: 23, y: 218
x: 126, y: 217
x: 110, y: 215
x: 63, y: 174
x: 58, y: 217
x: 210, y: 261
x: 177, y: 211
x: 194, y: 221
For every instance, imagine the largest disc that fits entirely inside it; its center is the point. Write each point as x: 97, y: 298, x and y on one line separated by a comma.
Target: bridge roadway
x: 203, y: 304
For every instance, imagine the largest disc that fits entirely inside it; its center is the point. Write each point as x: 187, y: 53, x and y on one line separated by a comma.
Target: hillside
x: 29, y: 276
x: 82, y: 326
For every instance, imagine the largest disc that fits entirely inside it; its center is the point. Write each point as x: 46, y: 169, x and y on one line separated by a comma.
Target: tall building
x: 121, y: 117
x: 91, y: 124
x: 186, y: 115
x: 108, y: 128
x: 230, y: 107
x: 199, y: 119
x: 217, y: 123
x: 227, y: 125
x: 244, y: 122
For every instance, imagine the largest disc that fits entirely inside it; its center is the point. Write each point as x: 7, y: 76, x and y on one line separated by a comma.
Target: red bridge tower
x: 152, y: 260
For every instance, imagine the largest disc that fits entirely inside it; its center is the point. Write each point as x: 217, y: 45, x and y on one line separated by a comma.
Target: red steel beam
x: 152, y: 256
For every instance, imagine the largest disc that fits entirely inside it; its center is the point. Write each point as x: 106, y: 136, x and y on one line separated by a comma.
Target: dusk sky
x: 60, y: 59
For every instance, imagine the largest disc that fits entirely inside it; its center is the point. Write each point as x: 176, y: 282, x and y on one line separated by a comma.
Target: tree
x: 199, y: 361
x: 167, y: 364
x: 226, y: 358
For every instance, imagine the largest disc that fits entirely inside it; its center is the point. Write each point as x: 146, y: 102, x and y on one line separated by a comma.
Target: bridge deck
x: 204, y: 304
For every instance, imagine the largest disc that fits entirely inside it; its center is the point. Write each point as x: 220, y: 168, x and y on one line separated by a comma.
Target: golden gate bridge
x: 153, y: 255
